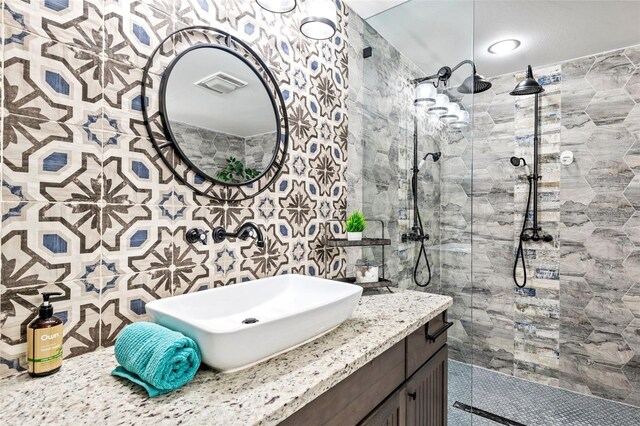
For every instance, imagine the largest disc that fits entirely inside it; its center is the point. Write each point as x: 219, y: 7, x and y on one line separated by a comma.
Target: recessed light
x: 503, y: 46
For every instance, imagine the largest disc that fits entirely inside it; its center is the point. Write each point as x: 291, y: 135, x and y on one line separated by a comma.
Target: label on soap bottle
x: 44, y: 349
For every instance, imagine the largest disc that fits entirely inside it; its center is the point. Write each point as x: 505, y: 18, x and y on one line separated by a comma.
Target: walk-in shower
x: 456, y: 117
x: 500, y: 198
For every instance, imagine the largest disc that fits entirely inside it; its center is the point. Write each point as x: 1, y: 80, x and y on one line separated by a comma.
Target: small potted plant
x: 355, y: 225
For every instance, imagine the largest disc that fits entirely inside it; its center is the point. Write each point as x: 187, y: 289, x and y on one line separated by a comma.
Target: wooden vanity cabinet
x: 404, y: 386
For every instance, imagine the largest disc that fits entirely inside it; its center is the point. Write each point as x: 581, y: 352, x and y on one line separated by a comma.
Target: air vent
x: 221, y: 83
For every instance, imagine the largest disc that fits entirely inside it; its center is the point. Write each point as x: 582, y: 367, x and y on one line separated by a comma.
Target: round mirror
x: 220, y: 114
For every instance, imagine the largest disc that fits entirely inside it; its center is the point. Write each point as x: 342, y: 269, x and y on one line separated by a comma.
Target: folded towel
x: 155, y: 357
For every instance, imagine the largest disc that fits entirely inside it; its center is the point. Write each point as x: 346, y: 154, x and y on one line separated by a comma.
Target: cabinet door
x: 391, y: 412
x: 426, y: 392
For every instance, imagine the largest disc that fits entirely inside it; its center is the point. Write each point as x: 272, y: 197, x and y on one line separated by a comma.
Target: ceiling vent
x: 221, y: 83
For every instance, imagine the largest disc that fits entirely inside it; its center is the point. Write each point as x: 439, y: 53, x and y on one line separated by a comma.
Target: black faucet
x: 243, y: 232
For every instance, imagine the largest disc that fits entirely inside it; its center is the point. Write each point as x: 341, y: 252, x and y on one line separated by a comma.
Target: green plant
x: 235, y: 172
x: 355, y: 222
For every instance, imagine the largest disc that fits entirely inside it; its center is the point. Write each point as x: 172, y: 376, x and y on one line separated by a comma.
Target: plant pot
x: 354, y: 236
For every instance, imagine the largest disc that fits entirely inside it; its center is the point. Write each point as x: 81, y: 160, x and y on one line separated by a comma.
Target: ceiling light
x: 441, y: 106
x: 504, y: 46
x: 277, y: 6
x: 462, y: 122
x: 426, y: 94
x: 452, y: 113
x: 320, y: 19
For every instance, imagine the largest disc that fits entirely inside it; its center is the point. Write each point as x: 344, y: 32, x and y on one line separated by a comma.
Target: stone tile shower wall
x: 577, y: 323
x: 88, y: 208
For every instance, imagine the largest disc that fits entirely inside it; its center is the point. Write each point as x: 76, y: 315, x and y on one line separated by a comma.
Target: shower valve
x: 414, y: 236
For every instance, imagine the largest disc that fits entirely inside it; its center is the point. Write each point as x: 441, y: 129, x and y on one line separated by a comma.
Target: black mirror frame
x: 170, y: 152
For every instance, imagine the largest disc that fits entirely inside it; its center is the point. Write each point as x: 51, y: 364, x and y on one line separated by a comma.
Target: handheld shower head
x: 518, y: 161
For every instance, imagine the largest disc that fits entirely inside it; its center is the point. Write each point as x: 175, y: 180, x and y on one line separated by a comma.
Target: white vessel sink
x: 290, y: 310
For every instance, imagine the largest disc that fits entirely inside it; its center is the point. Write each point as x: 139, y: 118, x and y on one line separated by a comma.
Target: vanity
x: 379, y: 367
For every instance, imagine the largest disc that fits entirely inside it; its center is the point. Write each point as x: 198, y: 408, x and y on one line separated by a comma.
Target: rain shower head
x: 474, y: 84
x: 528, y: 86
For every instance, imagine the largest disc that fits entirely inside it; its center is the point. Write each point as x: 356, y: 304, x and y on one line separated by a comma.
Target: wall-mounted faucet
x: 245, y: 231
x: 195, y: 235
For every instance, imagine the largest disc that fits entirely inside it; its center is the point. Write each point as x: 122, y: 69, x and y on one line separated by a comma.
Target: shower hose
x: 422, y: 252
x: 520, y: 251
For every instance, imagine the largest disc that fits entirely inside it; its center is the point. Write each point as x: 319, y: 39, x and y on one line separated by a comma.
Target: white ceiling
x: 244, y: 112
x: 433, y: 33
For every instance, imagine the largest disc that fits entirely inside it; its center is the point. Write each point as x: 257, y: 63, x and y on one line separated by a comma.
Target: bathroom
x: 344, y: 211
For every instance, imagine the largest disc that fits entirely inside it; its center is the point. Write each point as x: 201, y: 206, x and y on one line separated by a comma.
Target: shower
x: 417, y: 231
x: 437, y: 104
x: 529, y: 86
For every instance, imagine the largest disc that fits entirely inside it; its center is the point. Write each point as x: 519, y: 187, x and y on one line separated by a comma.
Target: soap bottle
x: 44, y: 340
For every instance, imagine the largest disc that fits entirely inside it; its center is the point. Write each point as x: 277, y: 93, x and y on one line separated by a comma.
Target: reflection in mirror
x: 220, y: 115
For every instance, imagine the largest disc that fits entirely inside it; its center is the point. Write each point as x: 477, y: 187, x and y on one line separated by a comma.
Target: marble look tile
x: 609, y: 280
x: 610, y: 142
x: 574, y: 325
x: 633, y: 86
x: 610, y: 71
x: 632, y: 122
x: 632, y: 371
x: 609, y: 210
x: 575, y: 224
x: 603, y: 348
x: 632, y: 266
x: 632, y: 228
x: 610, y: 107
x: 576, y: 95
x: 609, y: 245
x: 632, y: 192
x: 608, y: 315
x: 577, y: 68
x: 582, y: 375
x: 632, y: 300
x: 575, y: 259
x: 576, y: 189
x: 632, y: 335
x: 609, y: 176
x: 633, y: 53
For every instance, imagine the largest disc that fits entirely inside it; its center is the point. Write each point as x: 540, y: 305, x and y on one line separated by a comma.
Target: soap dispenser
x: 44, y: 340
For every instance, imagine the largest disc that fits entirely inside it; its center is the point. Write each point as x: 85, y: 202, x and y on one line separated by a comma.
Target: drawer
x: 420, y: 348
x: 356, y: 396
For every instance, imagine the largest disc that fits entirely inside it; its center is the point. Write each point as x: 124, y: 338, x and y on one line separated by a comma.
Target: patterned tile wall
x: 576, y: 325
x: 89, y: 209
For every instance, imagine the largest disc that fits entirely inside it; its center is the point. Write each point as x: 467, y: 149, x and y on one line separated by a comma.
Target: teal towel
x: 155, y: 357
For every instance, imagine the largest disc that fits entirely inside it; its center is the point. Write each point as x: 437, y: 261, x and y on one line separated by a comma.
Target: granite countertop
x: 84, y: 392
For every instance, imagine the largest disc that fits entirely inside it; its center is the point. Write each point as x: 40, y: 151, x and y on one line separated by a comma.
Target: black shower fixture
x: 472, y: 84
x: 417, y: 233
x: 529, y: 86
